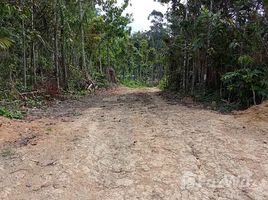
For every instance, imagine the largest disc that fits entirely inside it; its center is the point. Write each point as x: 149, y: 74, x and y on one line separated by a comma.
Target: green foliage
x: 5, y: 42
x: 206, y: 46
x: 226, y: 107
x: 101, y: 80
x: 163, y: 84
x: 9, y: 114
x: 36, y: 102
x: 220, y: 48
x: 133, y: 84
x: 42, y: 43
x: 245, y: 60
x: 82, y: 92
x: 245, y: 84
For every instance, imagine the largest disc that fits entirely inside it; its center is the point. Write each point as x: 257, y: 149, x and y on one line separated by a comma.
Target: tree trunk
x: 193, y: 75
x: 185, y: 55
x: 100, y: 61
x: 253, y: 95
x: 208, y: 46
x: 33, y: 45
x: 108, y: 54
x: 24, y: 49
x: 56, y: 48
x: 83, y: 52
x: 62, y: 46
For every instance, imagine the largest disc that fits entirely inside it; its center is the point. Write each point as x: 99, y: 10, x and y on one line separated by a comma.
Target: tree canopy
x: 200, y: 48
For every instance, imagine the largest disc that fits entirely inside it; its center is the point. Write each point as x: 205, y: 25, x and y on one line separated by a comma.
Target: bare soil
x: 134, y: 144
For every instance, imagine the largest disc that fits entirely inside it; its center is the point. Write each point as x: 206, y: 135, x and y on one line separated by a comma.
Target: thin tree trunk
x: 208, y: 46
x: 81, y: 12
x: 62, y: 45
x: 33, y: 44
x: 101, y: 70
x: 24, y: 50
x: 193, y: 76
x: 185, y: 55
x: 56, y: 48
x: 253, y: 95
x: 108, y: 54
x: 152, y: 75
x: 100, y: 59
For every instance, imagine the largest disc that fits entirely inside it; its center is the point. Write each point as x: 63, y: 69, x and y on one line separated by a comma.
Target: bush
x: 163, y: 84
x: 247, y: 86
x: 101, y: 80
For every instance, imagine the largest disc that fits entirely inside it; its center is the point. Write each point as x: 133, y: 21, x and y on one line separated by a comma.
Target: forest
x: 214, y: 51
x: 93, y: 109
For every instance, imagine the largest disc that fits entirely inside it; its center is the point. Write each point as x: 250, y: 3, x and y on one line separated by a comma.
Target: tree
x: 206, y: 40
x: 58, y: 42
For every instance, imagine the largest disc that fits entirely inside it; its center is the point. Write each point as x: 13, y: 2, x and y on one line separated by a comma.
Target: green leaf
x: 5, y: 43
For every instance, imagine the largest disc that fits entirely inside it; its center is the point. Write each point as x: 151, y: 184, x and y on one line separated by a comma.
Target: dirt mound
x: 256, y: 113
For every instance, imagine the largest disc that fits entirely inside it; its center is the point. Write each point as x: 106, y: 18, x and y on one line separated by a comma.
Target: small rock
x: 65, y: 120
x: 146, y: 168
x: 33, y: 143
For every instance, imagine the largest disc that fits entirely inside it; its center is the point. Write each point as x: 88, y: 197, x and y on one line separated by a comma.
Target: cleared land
x: 134, y: 144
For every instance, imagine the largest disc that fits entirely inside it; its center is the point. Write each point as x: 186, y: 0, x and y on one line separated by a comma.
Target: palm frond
x: 5, y: 43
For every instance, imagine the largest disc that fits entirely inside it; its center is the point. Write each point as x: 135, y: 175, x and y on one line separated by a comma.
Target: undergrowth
x: 213, y: 100
x: 11, y: 114
x: 134, y: 84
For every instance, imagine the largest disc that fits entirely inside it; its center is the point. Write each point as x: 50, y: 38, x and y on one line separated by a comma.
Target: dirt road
x: 133, y: 144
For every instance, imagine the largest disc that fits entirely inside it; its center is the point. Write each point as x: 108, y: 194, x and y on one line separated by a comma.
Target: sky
x: 141, y: 9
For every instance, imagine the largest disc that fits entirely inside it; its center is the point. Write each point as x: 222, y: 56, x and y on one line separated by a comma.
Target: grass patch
x: 11, y: 114
x: 133, y: 84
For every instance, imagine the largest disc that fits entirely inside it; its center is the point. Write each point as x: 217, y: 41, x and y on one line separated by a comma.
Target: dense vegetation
x: 208, y: 49
x: 57, y: 44
x: 218, y: 49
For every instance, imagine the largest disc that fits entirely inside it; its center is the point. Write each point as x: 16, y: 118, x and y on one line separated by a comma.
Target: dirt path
x: 135, y: 145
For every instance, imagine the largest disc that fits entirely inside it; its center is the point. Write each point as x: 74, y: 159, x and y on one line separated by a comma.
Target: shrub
x: 163, y: 84
x: 246, y: 86
x: 101, y: 80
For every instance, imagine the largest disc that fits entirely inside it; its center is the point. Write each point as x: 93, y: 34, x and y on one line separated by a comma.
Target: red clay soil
x: 255, y: 114
x: 16, y: 131
x: 133, y: 144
